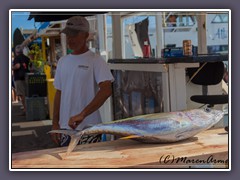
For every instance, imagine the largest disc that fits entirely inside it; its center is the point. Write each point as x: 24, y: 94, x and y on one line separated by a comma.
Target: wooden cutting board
x: 207, y: 149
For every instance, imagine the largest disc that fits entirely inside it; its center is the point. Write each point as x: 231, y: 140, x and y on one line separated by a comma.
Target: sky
x: 20, y: 20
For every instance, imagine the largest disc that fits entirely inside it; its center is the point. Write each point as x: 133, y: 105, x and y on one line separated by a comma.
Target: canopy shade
x: 57, y: 16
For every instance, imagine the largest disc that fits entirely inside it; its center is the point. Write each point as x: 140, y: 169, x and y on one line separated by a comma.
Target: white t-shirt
x: 77, y: 77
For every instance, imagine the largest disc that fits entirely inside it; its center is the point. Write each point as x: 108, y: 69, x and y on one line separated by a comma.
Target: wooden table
x: 207, y: 149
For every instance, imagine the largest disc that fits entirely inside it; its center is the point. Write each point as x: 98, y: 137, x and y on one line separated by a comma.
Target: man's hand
x: 74, y: 121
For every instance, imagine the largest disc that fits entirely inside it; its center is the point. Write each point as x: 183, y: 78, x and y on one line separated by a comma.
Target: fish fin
x: 64, y: 131
x: 131, y: 137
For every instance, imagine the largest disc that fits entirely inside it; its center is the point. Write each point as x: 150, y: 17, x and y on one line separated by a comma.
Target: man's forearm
x: 16, y: 66
x: 56, y: 107
x: 102, y: 95
x: 55, y: 123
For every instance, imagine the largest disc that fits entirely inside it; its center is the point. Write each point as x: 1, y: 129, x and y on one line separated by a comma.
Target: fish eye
x: 207, y: 109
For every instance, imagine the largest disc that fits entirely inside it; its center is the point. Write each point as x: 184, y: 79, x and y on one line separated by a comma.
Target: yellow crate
x: 51, y: 94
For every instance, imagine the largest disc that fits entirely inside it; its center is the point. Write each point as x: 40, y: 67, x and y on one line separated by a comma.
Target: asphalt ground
x: 29, y: 135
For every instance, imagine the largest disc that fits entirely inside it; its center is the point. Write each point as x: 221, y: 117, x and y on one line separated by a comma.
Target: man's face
x: 17, y: 53
x: 77, y: 42
x: 172, y: 18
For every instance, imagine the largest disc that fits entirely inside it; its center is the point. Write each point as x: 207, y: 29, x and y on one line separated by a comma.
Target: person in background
x: 14, y: 93
x: 83, y: 83
x: 20, y: 68
x: 172, y: 20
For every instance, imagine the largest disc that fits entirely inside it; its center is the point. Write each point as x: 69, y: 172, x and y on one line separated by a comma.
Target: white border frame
x: 118, y: 10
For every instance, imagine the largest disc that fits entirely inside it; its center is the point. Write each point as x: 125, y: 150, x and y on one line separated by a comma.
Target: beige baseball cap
x: 75, y: 25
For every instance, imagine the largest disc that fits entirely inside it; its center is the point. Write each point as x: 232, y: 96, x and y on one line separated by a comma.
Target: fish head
x: 205, y: 117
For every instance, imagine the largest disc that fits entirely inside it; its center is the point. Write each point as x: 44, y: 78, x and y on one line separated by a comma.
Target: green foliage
x: 36, y: 59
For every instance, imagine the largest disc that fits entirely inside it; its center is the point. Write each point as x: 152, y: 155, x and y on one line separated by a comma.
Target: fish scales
x: 153, y: 128
x: 135, y: 127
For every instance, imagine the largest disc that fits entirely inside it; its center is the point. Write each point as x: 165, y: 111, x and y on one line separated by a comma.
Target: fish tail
x: 75, y: 137
x: 73, y: 143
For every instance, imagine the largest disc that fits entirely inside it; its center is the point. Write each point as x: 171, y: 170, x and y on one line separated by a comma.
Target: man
x: 172, y: 22
x: 82, y: 82
x: 20, y: 68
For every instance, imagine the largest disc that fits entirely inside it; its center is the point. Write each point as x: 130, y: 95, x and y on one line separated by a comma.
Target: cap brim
x: 71, y: 32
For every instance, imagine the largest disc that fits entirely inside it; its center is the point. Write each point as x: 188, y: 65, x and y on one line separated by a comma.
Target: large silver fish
x: 153, y: 128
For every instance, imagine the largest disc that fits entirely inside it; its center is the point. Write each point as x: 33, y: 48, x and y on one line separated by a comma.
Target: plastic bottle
x: 146, y: 49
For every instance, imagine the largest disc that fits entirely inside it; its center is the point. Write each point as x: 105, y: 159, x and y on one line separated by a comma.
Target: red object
x: 146, y: 49
x: 24, y: 65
